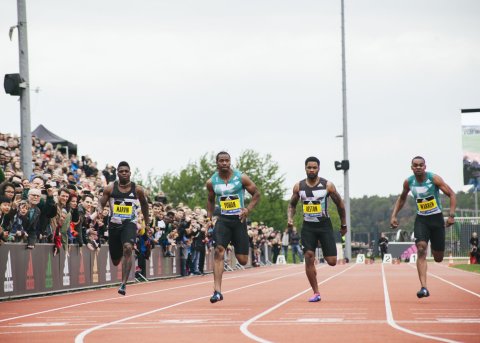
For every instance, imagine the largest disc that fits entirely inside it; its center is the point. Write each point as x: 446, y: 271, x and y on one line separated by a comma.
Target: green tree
x: 188, y: 185
x: 264, y: 172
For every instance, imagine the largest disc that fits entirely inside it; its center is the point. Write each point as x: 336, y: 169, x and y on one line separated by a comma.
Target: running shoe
x: 315, y: 298
x: 122, y: 289
x: 217, y: 296
x: 423, y: 293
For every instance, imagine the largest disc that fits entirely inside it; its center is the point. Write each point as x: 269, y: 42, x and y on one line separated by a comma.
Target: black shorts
x: 231, y: 229
x: 322, y: 232
x: 119, y: 234
x: 430, y: 228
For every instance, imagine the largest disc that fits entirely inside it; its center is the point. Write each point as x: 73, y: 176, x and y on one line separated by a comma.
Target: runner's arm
x: 438, y: 181
x: 292, y: 205
x: 399, y: 204
x: 107, y: 192
x: 144, y: 205
x: 210, y: 199
x: 337, y: 199
x: 254, y: 192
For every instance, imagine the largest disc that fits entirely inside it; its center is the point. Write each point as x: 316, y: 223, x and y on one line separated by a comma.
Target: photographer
x: 198, y: 244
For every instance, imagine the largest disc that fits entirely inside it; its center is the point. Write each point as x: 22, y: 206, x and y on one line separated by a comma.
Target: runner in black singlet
x: 317, y: 227
x: 125, y: 199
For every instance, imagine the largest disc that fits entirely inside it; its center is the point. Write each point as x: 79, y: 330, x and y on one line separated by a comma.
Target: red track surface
x: 263, y: 304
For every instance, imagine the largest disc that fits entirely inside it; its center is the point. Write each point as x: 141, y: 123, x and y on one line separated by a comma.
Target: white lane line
x: 452, y: 284
x: 393, y: 324
x: 79, y: 338
x: 244, y: 326
x: 117, y: 298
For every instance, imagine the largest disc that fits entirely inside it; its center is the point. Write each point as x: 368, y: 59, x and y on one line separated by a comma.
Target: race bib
x: 427, y: 205
x: 122, y: 210
x: 230, y: 204
x: 312, y: 208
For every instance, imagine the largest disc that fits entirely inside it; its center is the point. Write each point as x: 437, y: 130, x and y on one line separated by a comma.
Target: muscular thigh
x: 322, y: 232
x: 430, y: 229
x: 118, y: 235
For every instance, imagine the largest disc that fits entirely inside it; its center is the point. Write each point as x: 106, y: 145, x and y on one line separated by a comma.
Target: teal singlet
x: 229, y: 195
x: 426, y: 195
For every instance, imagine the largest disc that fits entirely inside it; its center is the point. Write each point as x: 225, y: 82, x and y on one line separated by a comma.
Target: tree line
x: 368, y: 214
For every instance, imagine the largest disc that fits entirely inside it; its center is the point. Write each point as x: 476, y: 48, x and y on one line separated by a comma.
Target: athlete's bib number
x: 312, y: 208
x: 230, y: 204
x: 122, y: 210
x: 427, y: 205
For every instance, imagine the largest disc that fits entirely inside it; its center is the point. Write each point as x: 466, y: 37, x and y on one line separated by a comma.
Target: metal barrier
x: 457, y: 236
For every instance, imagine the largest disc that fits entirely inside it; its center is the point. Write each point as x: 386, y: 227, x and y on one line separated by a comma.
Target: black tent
x: 41, y: 132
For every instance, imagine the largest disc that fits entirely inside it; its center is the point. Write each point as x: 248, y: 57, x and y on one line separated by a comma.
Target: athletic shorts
x: 119, y: 235
x: 430, y: 228
x: 322, y: 232
x: 231, y: 229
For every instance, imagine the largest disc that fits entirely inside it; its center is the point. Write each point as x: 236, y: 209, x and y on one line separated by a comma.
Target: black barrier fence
x: 31, y: 272
x: 27, y: 272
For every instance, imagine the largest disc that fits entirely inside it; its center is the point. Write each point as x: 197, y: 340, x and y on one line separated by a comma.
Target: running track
x: 360, y: 303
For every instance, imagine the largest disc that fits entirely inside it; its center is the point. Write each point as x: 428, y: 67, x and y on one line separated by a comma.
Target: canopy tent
x: 41, y: 132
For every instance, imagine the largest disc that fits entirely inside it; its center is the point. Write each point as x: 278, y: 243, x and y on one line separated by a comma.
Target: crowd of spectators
x: 58, y: 204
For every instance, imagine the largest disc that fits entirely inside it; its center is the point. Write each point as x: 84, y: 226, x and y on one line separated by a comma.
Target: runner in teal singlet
x: 228, y: 187
x: 429, y: 223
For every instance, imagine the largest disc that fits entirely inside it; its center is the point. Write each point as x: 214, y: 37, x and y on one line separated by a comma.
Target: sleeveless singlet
x: 426, y: 195
x: 124, y: 206
x: 314, y: 200
x: 230, y: 195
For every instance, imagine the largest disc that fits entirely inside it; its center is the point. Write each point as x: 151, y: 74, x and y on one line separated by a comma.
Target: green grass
x: 474, y: 268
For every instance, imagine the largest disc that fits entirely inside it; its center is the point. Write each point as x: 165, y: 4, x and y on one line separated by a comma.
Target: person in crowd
x: 5, y: 219
x: 383, y: 244
x: 275, y: 241
x: 474, y: 253
x: 429, y: 223
x: 33, y: 216
x: 295, y: 244
x: 314, y: 192
x: 227, y: 186
x: 285, y: 241
x: 125, y: 198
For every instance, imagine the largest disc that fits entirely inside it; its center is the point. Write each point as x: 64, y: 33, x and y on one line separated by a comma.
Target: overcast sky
x: 160, y: 83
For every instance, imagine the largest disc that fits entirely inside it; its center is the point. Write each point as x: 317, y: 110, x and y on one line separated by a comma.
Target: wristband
x: 452, y: 215
x: 343, y: 226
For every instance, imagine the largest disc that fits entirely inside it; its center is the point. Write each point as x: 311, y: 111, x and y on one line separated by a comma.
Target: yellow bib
x: 122, y: 209
x: 428, y: 205
x: 312, y: 207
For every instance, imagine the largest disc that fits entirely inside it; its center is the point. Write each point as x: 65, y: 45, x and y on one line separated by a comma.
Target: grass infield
x: 474, y: 268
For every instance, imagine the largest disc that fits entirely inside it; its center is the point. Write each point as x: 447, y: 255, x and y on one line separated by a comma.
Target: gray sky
x: 160, y: 83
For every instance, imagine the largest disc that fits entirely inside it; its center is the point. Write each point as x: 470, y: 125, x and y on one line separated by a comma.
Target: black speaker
x: 344, y: 165
x: 11, y: 83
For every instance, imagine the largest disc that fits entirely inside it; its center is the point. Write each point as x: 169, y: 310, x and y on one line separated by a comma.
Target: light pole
x: 473, y: 110
x: 345, y: 164
x: 25, y: 126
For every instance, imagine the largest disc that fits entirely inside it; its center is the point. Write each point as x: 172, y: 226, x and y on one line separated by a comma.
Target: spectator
x: 61, y: 222
x: 383, y: 244
x: 32, y: 217
x: 84, y: 211
x: 275, y: 241
x: 110, y: 173
x: 17, y: 231
x: 5, y: 206
x: 474, y: 253
x: 285, y: 242
x: 295, y: 243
